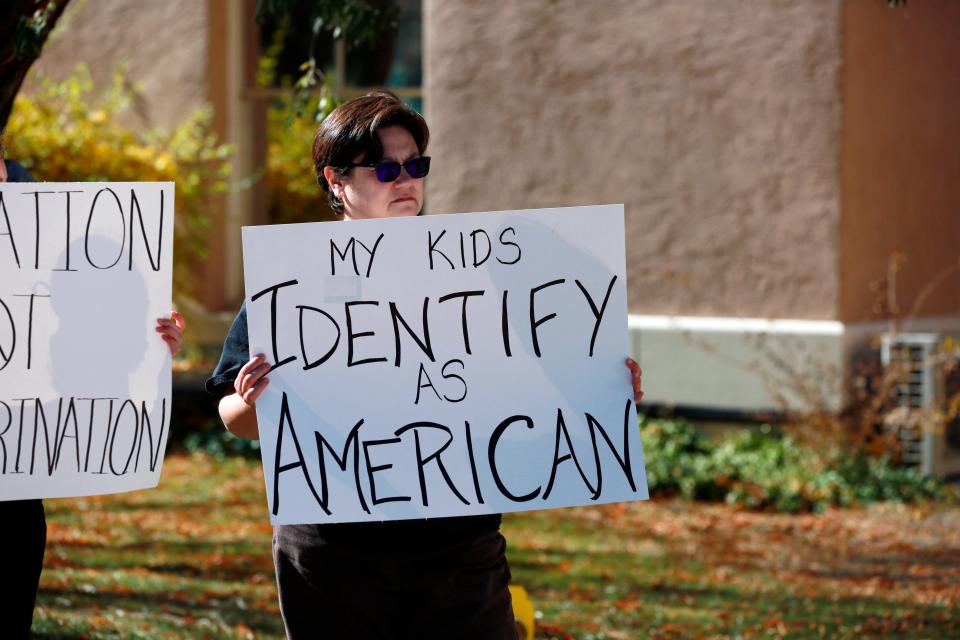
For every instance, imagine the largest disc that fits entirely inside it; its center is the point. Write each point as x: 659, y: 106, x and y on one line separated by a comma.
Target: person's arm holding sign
x: 238, y: 408
x: 239, y: 380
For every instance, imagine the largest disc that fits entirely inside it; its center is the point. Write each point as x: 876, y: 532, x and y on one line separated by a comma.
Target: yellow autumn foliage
x: 66, y: 131
x: 292, y: 191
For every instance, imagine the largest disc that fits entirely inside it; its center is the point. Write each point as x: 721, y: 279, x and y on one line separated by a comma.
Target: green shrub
x: 764, y: 469
x: 293, y: 194
x: 221, y: 443
x: 291, y: 185
x: 195, y: 424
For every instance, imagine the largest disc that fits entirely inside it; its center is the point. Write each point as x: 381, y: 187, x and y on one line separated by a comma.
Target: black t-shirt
x: 397, y: 535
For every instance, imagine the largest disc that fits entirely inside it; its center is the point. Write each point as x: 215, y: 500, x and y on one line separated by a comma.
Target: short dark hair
x: 351, y: 130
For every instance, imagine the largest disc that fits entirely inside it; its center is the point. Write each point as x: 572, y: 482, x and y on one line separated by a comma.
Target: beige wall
x: 164, y: 43
x: 901, y: 153
x: 716, y: 123
x: 731, y: 131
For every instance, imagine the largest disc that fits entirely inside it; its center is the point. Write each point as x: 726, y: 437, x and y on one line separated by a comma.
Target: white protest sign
x: 85, y: 269
x: 443, y: 365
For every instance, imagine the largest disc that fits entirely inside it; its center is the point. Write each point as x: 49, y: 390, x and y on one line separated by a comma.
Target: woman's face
x: 364, y: 196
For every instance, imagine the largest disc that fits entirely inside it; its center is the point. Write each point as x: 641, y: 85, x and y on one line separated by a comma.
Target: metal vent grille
x: 950, y: 392
x: 914, y: 390
x: 912, y: 360
x: 927, y: 390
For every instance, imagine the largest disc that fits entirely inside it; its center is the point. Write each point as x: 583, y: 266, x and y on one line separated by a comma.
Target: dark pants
x: 455, y: 591
x: 23, y: 536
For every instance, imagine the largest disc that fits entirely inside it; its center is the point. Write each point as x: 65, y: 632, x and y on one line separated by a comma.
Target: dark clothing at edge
x: 24, y: 534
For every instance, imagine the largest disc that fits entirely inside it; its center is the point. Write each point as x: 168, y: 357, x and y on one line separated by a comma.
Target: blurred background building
x: 789, y: 169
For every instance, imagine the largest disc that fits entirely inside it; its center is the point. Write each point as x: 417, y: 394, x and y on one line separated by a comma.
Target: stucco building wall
x: 163, y: 43
x: 716, y: 124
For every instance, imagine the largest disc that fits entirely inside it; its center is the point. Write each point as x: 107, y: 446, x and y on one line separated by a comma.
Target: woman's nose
x: 404, y: 177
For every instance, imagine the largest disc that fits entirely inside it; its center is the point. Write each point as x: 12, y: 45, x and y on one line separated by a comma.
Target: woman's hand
x: 171, y: 330
x: 252, y: 379
x: 636, y: 377
x: 238, y: 408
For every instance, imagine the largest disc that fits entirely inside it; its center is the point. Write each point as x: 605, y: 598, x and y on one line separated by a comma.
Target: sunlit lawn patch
x: 192, y: 559
x: 188, y: 559
x: 674, y: 569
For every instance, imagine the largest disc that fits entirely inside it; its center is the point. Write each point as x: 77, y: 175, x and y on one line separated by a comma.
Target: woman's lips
x: 404, y: 199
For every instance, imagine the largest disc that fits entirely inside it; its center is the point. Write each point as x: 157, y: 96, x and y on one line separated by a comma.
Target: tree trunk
x: 24, y: 27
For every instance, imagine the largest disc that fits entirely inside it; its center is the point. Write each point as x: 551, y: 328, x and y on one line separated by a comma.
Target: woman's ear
x: 334, y: 180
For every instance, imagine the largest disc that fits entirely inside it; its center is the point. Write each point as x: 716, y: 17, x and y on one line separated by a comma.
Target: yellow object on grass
x: 522, y: 612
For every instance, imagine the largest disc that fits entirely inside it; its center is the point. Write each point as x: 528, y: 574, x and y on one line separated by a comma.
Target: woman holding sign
x: 444, y: 577
x: 24, y: 532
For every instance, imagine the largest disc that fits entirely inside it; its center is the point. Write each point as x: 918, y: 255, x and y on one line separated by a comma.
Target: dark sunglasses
x: 388, y: 171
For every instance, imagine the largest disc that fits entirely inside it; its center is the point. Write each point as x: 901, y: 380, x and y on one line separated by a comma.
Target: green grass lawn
x: 192, y: 559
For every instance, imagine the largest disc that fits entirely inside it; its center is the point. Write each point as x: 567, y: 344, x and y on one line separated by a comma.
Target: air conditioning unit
x: 928, y: 392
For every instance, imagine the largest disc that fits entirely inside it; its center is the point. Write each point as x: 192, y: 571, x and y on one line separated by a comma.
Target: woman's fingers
x: 250, y: 397
x: 636, y: 379
x: 250, y: 375
x: 169, y: 337
x: 178, y: 320
x: 250, y: 364
x: 171, y: 330
x: 247, y: 382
